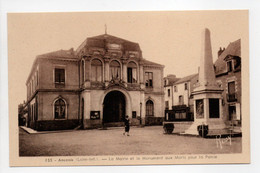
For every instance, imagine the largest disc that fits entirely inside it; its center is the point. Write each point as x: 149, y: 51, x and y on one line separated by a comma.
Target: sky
x: 172, y: 39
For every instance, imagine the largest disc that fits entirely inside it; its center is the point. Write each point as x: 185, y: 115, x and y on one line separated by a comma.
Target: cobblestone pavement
x: 148, y: 140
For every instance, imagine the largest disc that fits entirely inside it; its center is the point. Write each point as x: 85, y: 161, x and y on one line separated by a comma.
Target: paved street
x: 147, y: 140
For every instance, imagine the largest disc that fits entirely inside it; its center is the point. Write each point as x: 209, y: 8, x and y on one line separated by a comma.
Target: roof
x: 233, y: 49
x: 171, y: 79
x: 60, y: 54
x: 187, y: 78
x: 101, y: 40
x: 150, y: 63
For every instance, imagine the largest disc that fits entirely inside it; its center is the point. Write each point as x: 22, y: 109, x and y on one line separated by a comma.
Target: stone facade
x: 100, y: 83
x: 228, y: 76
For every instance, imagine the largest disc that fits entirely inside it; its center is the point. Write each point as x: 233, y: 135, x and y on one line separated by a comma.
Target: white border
x: 134, y: 5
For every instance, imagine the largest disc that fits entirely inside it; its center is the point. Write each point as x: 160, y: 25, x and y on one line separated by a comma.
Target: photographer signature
x: 220, y: 141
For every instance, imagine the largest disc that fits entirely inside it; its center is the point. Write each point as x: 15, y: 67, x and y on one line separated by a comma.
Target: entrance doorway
x: 232, y: 112
x: 114, y: 107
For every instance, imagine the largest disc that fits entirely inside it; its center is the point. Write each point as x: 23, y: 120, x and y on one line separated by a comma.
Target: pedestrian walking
x: 127, y: 125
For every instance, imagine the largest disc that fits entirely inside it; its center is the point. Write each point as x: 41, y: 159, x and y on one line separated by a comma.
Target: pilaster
x: 124, y: 62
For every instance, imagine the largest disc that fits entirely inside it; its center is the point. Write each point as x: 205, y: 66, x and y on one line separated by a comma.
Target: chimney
x: 71, y: 51
x: 220, y: 51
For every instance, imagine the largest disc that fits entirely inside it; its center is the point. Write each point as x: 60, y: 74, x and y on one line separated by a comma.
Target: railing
x: 232, y: 97
x: 179, y: 113
x: 178, y: 107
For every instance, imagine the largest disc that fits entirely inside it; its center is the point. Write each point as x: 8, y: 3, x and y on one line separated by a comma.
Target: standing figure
x: 127, y: 125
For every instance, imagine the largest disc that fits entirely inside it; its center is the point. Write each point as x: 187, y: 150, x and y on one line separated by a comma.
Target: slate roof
x: 60, y: 54
x: 171, y: 79
x: 187, y: 78
x: 150, y: 63
x: 101, y: 40
x: 233, y: 49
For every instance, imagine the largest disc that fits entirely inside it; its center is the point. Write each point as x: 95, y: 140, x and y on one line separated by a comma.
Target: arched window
x: 149, y: 108
x: 96, y: 70
x: 131, y: 73
x: 115, y: 70
x: 60, y: 109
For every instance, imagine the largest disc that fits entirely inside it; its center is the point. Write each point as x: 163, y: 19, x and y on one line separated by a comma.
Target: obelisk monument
x: 207, y: 94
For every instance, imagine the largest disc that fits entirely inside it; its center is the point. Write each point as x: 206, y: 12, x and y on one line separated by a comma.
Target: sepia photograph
x: 128, y: 88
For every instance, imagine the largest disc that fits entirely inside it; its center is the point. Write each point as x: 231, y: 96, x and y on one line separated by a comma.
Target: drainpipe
x: 172, y: 95
x: 140, y: 113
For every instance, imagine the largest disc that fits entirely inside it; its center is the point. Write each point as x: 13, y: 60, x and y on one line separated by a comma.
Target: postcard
x: 129, y: 88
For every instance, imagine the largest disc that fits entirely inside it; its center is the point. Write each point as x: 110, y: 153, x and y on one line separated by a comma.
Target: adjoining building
x: 178, y: 98
x: 100, y: 83
x: 168, y: 90
x: 228, y: 76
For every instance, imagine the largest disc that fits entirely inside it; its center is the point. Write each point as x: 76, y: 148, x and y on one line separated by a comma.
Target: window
x: 166, y: 104
x: 232, y: 112
x: 181, y: 102
x: 131, y: 73
x: 59, y: 109
x: 231, y: 87
x: 149, y: 108
x: 169, y: 92
x: 165, y: 82
x: 133, y: 114
x: 175, y: 89
x: 213, y: 108
x: 115, y: 70
x: 231, y: 96
x: 59, y: 76
x: 229, y: 66
x: 186, y: 86
x: 96, y: 70
x: 148, y: 79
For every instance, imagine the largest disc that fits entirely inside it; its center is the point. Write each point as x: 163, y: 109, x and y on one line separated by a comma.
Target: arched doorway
x: 114, y: 107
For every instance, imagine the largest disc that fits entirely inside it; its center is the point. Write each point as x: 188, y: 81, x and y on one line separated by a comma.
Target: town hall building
x: 98, y: 84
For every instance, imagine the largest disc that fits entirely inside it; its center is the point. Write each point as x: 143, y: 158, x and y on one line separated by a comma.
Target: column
x: 141, y: 75
x: 87, y: 101
x: 194, y: 109
x: 220, y: 109
x: 206, y: 109
x: 124, y: 77
x: 87, y: 69
x: 106, y: 71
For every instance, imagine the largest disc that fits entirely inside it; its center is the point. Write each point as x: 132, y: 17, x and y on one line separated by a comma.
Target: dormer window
x: 114, y: 46
x: 229, y: 66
